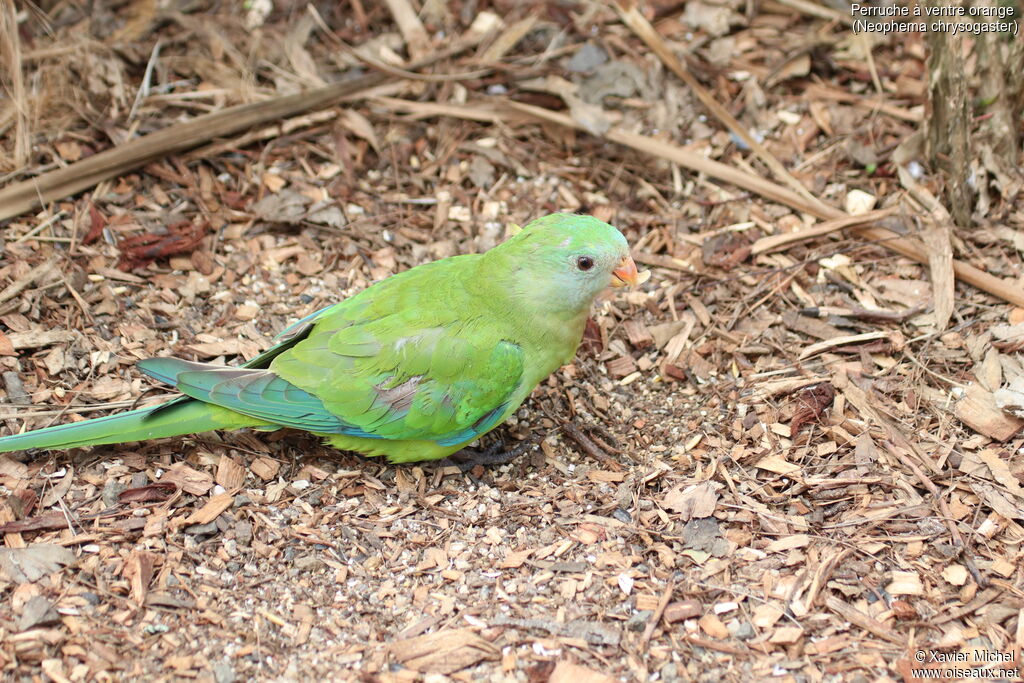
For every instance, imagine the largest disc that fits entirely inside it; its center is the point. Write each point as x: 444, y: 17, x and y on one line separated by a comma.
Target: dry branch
x: 666, y: 150
x: 775, y: 242
x: 10, y: 55
x: 636, y: 21
x: 409, y: 24
x: 34, y: 192
x: 30, y: 194
x: 661, y: 148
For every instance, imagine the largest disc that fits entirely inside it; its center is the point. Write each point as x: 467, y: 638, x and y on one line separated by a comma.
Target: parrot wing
x: 432, y: 386
x: 388, y: 363
x: 253, y: 392
x: 288, y: 337
x: 448, y: 378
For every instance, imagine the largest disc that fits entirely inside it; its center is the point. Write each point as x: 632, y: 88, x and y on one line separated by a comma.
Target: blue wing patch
x: 485, y: 424
x: 253, y: 392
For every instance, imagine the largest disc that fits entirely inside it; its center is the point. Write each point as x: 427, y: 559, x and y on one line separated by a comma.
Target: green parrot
x: 412, y: 368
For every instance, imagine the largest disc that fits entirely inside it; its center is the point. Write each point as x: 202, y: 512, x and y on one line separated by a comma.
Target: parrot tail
x: 181, y: 416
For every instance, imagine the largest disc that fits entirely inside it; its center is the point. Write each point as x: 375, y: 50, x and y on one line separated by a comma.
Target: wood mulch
x: 786, y: 457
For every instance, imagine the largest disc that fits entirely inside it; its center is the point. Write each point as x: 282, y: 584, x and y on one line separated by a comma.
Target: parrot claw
x: 496, y: 454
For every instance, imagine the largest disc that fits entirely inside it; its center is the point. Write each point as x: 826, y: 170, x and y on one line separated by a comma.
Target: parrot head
x: 565, y: 260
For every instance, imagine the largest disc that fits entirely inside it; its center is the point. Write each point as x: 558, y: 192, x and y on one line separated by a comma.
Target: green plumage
x: 413, y: 368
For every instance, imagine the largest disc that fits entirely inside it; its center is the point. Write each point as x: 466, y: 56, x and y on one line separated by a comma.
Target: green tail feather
x: 185, y: 417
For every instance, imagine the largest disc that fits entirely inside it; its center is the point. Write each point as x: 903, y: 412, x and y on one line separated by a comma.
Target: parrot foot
x: 495, y: 454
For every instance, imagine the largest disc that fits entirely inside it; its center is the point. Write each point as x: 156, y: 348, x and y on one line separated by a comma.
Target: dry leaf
x: 360, y: 126
x: 59, y: 490
x: 188, y: 480
x: 774, y: 463
x: 22, y: 565
x: 160, y: 491
x: 694, y: 501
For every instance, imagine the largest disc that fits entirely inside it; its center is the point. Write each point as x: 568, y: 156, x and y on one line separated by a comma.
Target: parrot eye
x: 584, y: 263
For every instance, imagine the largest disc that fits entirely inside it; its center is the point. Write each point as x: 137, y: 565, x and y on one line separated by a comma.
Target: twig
x: 709, y: 644
x: 589, y: 447
x: 938, y: 241
x: 913, y: 359
x: 508, y: 39
x: 273, y: 131
x: 425, y: 109
x: 12, y: 290
x: 147, y: 77
x: 410, y: 26
x: 862, y: 313
x: 858, y: 618
x: 410, y: 76
x: 958, y: 540
x: 78, y: 298
x: 639, y: 24
x: 75, y: 408
x: 821, y: 92
x: 822, y: 574
x: 1010, y: 292
x: 29, y: 194
x: 387, y: 68
x: 42, y: 226
x: 865, y: 46
x: 774, y: 242
x: 977, y: 603
x: 652, y: 623
x: 663, y: 149
x: 821, y: 346
x: 11, y: 56
x: 814, y: 9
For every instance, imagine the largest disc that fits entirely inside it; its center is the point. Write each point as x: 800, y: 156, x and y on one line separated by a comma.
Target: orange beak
x: 626, y: 274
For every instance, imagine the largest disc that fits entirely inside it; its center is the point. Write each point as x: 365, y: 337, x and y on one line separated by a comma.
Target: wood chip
x: 212, y: 509
x: 570, y: 672
x: 443, y: 652
x: 713, y: 626
x: 265, y: 468
x: 905, y: 583
x: 788, y: 543
x: 682, y: 610
x: 230, y: 473
x: 978, y: 410
x: 138, y: 569
x: 639, y: 336
x: 37, y: 339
